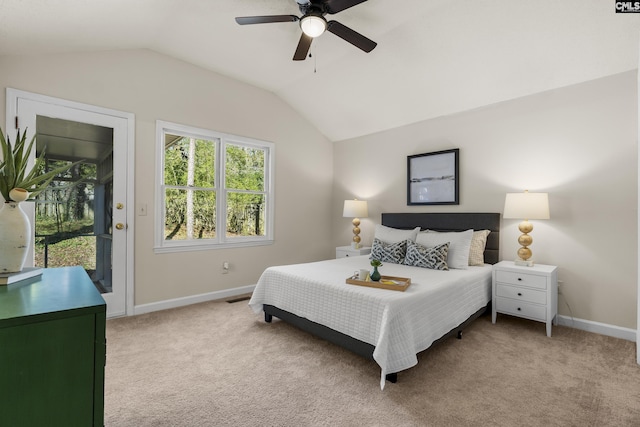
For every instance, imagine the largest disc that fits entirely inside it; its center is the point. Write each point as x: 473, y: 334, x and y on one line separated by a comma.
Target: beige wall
x: 153, y: 86
x: 577, y: 143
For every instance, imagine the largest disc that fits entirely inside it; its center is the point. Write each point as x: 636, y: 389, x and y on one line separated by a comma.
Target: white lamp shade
x: 355, y: 209
x: 526, y: 206
x: 313, y: 25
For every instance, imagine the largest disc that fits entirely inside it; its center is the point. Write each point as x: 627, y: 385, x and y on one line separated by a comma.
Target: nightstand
x: 527, y: 292
x: 345, y: 251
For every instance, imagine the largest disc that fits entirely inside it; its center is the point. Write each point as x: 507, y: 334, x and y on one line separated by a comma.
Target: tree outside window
x: 204, y: 174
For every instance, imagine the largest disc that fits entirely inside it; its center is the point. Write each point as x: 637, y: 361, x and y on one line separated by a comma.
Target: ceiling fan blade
x: 247, y: 20
x: 353, y: 37
x: 335, y: 6
x: 303, y: 48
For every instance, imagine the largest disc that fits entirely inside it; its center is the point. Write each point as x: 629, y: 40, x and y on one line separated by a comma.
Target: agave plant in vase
x: 17, y: 184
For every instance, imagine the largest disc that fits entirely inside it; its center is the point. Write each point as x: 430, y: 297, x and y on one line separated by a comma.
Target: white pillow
x: 395, y: 235
x: 459, y: 245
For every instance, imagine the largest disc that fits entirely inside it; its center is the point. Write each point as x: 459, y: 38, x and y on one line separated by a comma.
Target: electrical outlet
x: 225, y: 267
x: 560, y: 287
x: 142, y: 209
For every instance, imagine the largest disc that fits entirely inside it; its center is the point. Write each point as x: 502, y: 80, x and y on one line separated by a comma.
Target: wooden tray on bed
x: 402, y: 283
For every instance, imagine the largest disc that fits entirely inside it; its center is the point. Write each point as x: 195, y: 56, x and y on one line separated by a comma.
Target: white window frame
x: 221, y: 240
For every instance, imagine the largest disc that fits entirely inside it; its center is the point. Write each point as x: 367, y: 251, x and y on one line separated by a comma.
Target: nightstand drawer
x: 521, y: 279
x: 347, y: 251
x: 521, y: 309
x: 521, y: 294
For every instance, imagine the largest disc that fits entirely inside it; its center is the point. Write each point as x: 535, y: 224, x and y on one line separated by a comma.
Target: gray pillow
x: 434, y: 258
x: 389, y: 252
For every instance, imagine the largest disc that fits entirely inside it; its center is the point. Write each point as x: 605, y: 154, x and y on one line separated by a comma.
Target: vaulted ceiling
x: 433, y: 58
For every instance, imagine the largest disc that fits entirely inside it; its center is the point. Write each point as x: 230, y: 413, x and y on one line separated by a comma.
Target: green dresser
x: 52, y: 351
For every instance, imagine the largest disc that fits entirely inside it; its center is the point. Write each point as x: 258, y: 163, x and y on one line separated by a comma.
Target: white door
x: 113, y: 229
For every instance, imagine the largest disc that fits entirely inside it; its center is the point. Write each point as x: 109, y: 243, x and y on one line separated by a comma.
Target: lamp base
x: 523, y: 263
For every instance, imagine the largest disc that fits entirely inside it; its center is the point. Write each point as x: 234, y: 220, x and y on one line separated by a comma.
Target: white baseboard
x: 194, y: 299
x: 598, y: 328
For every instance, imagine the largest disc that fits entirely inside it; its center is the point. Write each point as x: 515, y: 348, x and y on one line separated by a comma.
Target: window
x: 215, y: 190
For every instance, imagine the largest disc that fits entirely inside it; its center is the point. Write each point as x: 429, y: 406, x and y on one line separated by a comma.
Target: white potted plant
x: 18, y: 184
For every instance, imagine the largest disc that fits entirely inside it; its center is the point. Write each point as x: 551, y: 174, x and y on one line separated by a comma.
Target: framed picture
x: 432, y: 178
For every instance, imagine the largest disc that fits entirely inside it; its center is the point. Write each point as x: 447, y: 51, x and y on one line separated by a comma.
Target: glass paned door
x: 73, y: 216
x: 73, y: 221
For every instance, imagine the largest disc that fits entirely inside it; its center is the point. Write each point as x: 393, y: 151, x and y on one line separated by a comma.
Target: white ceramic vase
x: 15, y: 237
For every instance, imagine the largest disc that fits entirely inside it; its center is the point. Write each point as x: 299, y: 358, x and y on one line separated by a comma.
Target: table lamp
x: 355, y: 209
x: 526, y: 206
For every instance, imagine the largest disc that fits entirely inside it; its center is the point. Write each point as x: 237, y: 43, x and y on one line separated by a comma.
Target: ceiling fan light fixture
x: 313, y: 25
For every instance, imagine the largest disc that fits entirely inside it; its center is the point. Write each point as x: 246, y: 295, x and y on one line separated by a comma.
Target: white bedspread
x: 398, y: 324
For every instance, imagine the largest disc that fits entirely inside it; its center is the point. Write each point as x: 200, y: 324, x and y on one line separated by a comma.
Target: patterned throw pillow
x: 389, y: 252
x: 420, y: 256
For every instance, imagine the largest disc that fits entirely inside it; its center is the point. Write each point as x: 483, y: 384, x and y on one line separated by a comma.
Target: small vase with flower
x: 375, y: 274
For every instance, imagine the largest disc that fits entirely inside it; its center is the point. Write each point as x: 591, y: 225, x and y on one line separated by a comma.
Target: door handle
x: 120, y: 226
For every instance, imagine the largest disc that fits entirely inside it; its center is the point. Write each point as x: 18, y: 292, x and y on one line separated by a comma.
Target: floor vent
x: 230, y: 301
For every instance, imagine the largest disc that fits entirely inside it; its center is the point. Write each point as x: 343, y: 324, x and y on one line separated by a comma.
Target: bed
x: 389, y: 327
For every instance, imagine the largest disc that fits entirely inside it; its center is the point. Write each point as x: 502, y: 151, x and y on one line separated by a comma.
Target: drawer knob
x: 519, y: 279
x: 346, y: 254
x: 519, y: 294
x: 519, y: 309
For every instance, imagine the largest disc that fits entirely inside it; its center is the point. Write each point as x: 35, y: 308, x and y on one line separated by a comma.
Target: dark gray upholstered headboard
x: 458, y: 221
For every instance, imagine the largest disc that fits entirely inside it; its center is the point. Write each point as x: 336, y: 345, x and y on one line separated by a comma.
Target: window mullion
x: 221, y: 198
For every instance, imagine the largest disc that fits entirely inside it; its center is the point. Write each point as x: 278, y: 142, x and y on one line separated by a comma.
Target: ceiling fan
x: 313, y: 24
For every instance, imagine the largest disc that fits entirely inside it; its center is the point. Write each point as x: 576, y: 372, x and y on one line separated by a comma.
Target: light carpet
x: 218, y: 364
